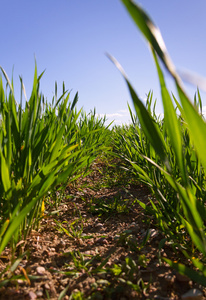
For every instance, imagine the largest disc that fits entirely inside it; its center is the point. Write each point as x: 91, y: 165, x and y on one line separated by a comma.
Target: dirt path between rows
x: 93, y: 248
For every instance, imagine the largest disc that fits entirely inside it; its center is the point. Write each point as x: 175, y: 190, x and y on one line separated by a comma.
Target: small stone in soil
x: 47, y: 287
x: 40, y: 270
x: 39, y: 293
x: 32, y: 295
x: 193, y: 294
x: 20, y: 281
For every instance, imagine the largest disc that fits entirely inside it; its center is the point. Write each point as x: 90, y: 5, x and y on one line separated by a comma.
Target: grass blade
x: 147, y: 122
x: 182, y: 269
x: 171, y: 122
x: 195, y: 123
x: 150, y: 31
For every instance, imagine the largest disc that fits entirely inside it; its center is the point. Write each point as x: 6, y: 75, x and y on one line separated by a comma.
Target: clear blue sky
x: 69, y: 39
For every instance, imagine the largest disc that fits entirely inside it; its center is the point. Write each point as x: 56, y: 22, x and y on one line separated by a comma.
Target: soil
x: 95, y: 246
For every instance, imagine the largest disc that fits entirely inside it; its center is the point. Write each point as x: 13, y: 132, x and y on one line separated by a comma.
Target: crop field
x: 95, y: 211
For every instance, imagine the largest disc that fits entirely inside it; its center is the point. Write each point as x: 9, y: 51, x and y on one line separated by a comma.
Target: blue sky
x: 69, y: 39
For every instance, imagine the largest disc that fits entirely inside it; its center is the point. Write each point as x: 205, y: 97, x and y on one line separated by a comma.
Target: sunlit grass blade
x: 23, y: 88
x: 5, y: 177
x: 171, y: 122
x: 7, y: 79
x: 196, y: 125
x: 147, y: 122
x: 150, y: 31
x: 74, y: 101
x: 4, y: 227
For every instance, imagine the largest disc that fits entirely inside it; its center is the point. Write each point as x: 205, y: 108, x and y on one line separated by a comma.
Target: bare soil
x: 101, y: 253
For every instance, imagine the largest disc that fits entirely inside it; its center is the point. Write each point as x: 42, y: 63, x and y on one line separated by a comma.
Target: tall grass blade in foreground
x: 178, y: 136
x: 154, y: 37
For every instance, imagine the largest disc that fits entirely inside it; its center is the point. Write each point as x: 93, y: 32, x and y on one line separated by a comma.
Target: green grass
x: 168, y: 155
x: 45, y: 146
x: 42, y: 146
